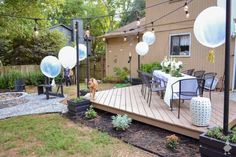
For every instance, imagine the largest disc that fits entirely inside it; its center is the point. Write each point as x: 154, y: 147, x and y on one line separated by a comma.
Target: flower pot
x: 84, y: 92
x: 75, y: 107
x: 136, y: 81
x: 210, y: 147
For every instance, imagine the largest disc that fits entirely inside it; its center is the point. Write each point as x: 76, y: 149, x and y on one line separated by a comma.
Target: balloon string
x: 211, y: 56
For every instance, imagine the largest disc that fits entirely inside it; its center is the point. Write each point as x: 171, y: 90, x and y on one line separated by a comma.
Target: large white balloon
x: 149, y: 37
x: 82, y: 52
x: 209, y: 27
x: 142, y: 48
x: 50, y: 66
x: 67, y: 57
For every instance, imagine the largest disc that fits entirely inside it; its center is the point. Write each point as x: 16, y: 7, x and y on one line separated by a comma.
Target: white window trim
x: 190, y: 43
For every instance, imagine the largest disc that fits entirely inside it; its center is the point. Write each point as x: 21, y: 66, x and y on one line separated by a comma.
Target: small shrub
x: 217, y: 133
x: 172, y: 142
x: 121, y: 73
x: 150, y: 67
x: 77, y: 100
x: 121, y: 122
x: 90, y: 113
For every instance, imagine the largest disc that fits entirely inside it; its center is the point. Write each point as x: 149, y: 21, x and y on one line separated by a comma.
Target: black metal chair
x: 199, y: 74
x: 201, y: 84
x: 189, y: 72
x: 154, y: 85
x: 19, y: 85
x: 140, y: 75
x: 209, y: 80
x: 184, y: 93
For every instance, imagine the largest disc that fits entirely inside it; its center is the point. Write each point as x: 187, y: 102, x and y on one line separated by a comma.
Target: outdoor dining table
x: 189, y: 85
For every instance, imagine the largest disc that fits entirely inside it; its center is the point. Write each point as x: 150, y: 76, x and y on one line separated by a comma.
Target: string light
x: 36, y: 32
x: 138, y: 22
x: 187, y: 14
x: 186, y: 6
x: 125, y: 38
x: 103, y: 39
x: 87, y: 31
x: 153, y: 31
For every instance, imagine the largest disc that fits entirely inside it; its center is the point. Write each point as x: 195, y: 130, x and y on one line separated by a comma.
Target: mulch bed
x: 147, y: 137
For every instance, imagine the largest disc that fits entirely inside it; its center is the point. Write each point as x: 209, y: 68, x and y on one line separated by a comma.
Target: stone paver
x: 36, y: 104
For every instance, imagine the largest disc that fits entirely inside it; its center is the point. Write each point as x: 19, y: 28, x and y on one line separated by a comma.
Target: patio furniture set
x: 190, y: 86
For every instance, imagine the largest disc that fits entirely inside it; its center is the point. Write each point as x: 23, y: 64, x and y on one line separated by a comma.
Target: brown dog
x: 93, y: 85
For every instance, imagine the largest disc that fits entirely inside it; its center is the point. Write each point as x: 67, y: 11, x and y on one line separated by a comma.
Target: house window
x: 180, y: 45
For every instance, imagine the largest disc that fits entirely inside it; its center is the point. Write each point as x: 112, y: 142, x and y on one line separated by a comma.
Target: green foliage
x: 78, y: 100
x: 133, y: 7
x: 121, y: 122
x: 31, y: 78
x: 121, y: 73
x: 150, y: 67
x: 91, y: 113
x: 217, y: 133
x: 172, y: 142
x: 121, y: 85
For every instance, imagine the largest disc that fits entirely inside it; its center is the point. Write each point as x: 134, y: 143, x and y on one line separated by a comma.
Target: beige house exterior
x: 173, y: 25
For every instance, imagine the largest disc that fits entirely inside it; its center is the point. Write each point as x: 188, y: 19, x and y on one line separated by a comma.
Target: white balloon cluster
x: 51, y: 66
x: 142, y: 47
x: 209, y: 27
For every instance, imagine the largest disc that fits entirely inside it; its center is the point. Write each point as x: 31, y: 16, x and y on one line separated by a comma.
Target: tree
x: 136, y: 9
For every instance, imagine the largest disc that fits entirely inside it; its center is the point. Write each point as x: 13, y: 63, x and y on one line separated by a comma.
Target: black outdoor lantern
x: 129, y: 61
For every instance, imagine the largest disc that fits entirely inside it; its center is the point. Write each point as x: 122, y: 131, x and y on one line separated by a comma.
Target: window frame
x: 190, y: 43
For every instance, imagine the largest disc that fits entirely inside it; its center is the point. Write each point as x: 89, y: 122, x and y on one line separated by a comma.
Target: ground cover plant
x: 91, y: 113
x: 120, y: 122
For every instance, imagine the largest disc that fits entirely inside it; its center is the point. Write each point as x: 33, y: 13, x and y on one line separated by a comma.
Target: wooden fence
x: 98, y: 72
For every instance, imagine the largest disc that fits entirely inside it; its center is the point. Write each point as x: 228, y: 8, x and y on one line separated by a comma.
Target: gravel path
x: 36, y: 104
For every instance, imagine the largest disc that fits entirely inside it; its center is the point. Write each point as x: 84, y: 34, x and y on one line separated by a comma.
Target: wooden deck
x: 129, y: 101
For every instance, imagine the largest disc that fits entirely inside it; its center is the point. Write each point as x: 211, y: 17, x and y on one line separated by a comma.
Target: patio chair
x: 140, y: 75
x: 209, y: 81
x: 189, y: 72
x: 184, y: 92
x: 19, y: 85
x: 159, y: 85
x: 199, y: 74
x: 201, y: 84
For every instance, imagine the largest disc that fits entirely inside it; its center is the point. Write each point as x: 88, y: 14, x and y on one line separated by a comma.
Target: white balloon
x: 149, y: 37
x: 82, y: 52
x: 142, y: 48
x: 209, y: 27
x: 50, y: 66
x: 67, y: 57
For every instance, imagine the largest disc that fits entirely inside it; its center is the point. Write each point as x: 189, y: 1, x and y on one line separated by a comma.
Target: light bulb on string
x: 103, y: 39
x: 125, y: 38
x: 36, y: 31
x: 153, y: 31
x: 186, y: 6
x: 138, y: 22
x: 87, y: 31
x: 187, y: 14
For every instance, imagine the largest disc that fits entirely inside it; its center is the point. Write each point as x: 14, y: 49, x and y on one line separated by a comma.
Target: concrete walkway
x: 36, y: 104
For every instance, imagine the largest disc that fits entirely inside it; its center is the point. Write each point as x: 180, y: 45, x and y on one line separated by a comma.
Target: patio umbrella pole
x: 227, y: 68
x: 77, y: 58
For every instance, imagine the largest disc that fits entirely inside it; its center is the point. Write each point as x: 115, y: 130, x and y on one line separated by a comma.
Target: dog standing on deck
x: 93, y: 85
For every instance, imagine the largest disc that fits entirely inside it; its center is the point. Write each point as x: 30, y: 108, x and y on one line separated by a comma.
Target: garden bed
x: 144, y: 136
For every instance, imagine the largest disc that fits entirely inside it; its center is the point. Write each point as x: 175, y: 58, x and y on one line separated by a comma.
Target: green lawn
x: 54, y: 135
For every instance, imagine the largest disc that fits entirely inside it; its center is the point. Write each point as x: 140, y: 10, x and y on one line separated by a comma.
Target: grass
x: 54, y: 135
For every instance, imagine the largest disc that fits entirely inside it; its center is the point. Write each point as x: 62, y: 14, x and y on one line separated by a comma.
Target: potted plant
x: 215, y: 143
x: 83, y: 92
x: 78, y: 104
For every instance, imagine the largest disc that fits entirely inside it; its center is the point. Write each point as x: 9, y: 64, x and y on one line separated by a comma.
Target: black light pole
x: 87, y: 36
x: 129, y: 61
x: 138, y: 55
x: 227, y: 67
x: 94, y: 65
x: 77, y: 57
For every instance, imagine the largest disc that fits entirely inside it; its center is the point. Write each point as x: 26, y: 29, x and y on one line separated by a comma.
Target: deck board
x: 129, y: 100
